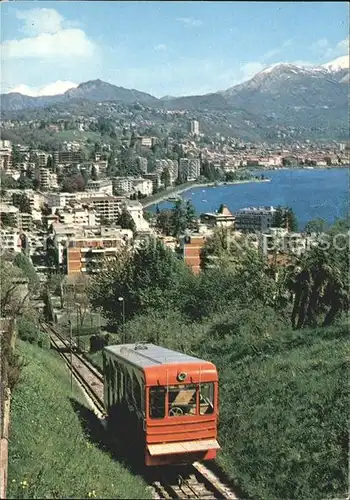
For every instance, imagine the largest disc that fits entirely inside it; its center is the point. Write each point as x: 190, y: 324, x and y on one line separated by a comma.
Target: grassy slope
x: 283, y: 416
x: 48, y: 447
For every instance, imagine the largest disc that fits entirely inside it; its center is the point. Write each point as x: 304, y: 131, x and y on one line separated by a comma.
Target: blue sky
x: 164, y: 48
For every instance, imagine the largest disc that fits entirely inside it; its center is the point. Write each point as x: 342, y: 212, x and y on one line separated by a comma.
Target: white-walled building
x: 190, y: 169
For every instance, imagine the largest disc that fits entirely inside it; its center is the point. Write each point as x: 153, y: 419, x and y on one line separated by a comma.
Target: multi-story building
x: 10, y: 212
x: 41, y: 158
x: 25, y: 221
x: 171, y: 165
x: 67, y: 157
x: 155, y: 178
x: 143, y: 186
x: 122, y: 184
x: 60, y: 200
x: 143, y: 164
x: 249, y: 220
x: 108, y: 207
x: 48, y: 180
x: 194, y: 127
x: 223, y: 218
x: 10, y: 240
x: 86, y: 253
x: 5, y: 155
x: 135, y: 209
x: 35, y: 198
x: 79, y: 216
x: 101, y: 186
x: 189, y: 169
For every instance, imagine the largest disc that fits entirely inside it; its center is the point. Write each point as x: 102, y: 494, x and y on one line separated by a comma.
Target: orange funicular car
x: 164, y: 400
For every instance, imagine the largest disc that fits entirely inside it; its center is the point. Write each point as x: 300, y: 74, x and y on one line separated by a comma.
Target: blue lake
x: 311, y: 193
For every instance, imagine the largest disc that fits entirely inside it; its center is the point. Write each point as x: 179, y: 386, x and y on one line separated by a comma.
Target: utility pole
x: 121, y: 299
x: 71, y: 353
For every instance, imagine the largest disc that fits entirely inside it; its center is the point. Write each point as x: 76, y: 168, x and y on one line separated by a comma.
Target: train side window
x: 206, y: 399
x: 157, y: 402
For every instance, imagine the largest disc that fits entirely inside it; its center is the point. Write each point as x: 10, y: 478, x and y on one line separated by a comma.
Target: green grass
x: 283, y: 415
x: 51, y: 454
x: 77, y: 135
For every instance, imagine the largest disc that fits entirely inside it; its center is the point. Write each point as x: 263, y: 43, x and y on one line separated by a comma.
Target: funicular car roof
x: 150, y: 355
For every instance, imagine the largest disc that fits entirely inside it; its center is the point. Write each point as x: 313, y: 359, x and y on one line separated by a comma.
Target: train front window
x: 157, y: 402
x: 206, y: 399
x: 182, y: 400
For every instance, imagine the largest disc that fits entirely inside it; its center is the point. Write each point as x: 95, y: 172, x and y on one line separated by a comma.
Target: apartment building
x: 10, y: 240
x: 135, y: 209
x: 122, y: 184
x: 194, y: 127
x: 25, y: 221
x: 142, y: 164
x: 155, y: 178
x: 102, y: 186
x: 249, y: 220
x: 60, y: 200
x: 36, y: 199
x: 79, y: 216
x: 144, y: 186
x: 41, y: 158
x: 67, y: 157
x: 108, y: 207
x: 48, y: 180
x: 87, y: 253
x: 171, y: 165
x: 189, y: 169
x: 5, y: 156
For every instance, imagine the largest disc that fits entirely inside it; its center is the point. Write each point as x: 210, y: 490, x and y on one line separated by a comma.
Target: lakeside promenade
x: 183, y: 188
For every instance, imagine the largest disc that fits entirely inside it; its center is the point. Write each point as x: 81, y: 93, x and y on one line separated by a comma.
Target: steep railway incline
x: 191, y: 481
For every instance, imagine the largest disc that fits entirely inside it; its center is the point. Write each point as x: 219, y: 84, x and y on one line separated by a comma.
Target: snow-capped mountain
x: 338, y: 64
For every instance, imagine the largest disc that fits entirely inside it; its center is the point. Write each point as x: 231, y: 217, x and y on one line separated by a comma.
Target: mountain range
x: 286, y: 93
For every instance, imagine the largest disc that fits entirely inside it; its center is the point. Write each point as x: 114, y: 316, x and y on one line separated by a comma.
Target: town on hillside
x: 87, y: 200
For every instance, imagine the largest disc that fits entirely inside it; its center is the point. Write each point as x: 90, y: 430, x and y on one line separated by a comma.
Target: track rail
x: 191, y: 481
x: 87, y: 376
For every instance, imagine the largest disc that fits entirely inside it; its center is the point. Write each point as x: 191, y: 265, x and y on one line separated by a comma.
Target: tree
x: 49, y: 163
x: 316, y: 226
x: 165, y: 177
x: 319, y: 285
x: 25, y: 264
x: 149, y: 278
x: 8, y: 219
x: 94, y: 175
x: 23, y: 203
x: 164, y: 222
x: 16, y: 156
x: 126, y: 221
x: 286, y: 218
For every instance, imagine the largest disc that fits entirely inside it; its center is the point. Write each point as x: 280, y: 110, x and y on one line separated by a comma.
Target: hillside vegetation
x: 51, y: 454
x: 279, y: 339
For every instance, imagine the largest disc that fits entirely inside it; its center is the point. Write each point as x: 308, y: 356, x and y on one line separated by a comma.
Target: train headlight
x: 181, y: 376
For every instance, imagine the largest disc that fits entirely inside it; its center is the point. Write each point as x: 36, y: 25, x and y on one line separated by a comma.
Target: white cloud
x: 38, y: 21
x: 54, y: 88
x: 189, y: 22
x: 270, y: 54
x: 51, y: 37
x: 161, y: 47
x: 65, y: 44
x: 328, y: 51
x: 250, y: 69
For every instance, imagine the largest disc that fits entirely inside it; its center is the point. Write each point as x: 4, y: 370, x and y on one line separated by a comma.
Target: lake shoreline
x: 175, y: 192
